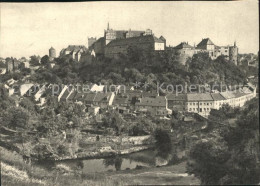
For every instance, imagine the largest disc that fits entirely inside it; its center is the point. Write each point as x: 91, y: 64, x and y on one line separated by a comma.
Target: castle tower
x: 10, y: 66
x: 91, y: 40
x: 52, y: 52
x: 110, y: 34
x: 233, y: 53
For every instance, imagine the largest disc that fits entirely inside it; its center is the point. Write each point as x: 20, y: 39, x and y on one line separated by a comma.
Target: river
x: 146, y: 158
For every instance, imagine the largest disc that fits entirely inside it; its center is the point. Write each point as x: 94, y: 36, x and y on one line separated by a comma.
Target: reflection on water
x: 147, y: 158
x: 115, y: 161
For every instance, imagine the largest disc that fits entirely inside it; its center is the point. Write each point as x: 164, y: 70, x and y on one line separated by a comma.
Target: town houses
x: 125, y: 99
x: 99, y: 97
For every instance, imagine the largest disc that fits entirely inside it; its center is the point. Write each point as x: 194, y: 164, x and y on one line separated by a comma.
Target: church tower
x: 110, y: 34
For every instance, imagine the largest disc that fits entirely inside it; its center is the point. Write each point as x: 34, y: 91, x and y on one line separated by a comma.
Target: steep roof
x: 120, y: 99
x: 135, y: 40
x: 102, y: 97
x: 65, y: 94
x: 227, y: 94
x: 204, y: 43
x: 159, y: 101
x: 89, y: 97
x: 75, y: 48
x: 72, y: 95
x: 199, y: 97
x: 176, y: 97
x: 120, y: 34
x: 217, y: 96
x: 238, y: 94
x: 149, y: 94
x: 132, y: 93
x: 183, y: 45
x: 162, y: 38
x: 246, y: 90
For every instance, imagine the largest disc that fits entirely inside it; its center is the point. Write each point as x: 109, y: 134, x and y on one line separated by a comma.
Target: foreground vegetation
x: 229, y: 153
x: 136, y: 66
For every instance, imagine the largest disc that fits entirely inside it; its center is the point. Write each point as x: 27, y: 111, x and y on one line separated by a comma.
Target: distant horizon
x: 33, y: 28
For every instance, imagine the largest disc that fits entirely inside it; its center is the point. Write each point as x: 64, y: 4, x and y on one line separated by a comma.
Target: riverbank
x: 15, y: 172
x: 77, y: 145
x: 164, y: 175
x: 98, y: 155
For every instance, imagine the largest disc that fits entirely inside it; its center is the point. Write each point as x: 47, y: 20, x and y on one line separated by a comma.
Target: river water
x: 146, y: 158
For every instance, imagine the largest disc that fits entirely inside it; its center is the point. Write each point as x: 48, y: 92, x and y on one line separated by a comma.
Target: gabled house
x: 121, y: 103
x: 218, y: 99
x: 200, y: 103
x: 103, y: 100
x: 177, y: 101
x: 156, y: 106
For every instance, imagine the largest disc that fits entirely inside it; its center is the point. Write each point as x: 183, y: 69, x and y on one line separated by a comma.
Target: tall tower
x: 10, y: 65
x: 233, y: 53
x: 110, y: 34
x: 91, y: 40
x: 52, y: 52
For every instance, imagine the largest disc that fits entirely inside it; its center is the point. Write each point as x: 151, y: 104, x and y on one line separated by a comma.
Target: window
x: 190, y: 103
x: 207, y: 103
x: 193, y: 103
x: 200, y: 103
x: 190, y: 109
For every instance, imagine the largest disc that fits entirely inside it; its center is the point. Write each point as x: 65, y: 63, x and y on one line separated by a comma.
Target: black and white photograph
x: 107, y: 93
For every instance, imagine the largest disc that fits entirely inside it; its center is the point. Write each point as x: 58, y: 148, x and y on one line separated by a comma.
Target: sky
x: 32, y: 28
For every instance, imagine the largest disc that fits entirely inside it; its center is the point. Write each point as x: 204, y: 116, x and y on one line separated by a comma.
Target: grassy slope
x: 166, y: 175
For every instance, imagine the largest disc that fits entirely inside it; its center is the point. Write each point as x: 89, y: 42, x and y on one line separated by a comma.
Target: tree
x: 34, y: 60
x: 45, y: 60
x: 230, y: 154
x: 16, y: 117
x: 162, y: 142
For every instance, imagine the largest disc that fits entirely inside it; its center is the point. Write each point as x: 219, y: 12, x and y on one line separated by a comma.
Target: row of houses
x: 133, y: 100
x: 139, y: 101
x: 203, y: 103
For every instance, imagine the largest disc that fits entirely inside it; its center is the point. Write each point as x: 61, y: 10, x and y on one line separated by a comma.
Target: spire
x: 108, y: 26
x: 235, y: 44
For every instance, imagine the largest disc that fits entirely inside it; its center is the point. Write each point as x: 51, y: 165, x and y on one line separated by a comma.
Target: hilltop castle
x: 184, y: 50
x: 117, y: 42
